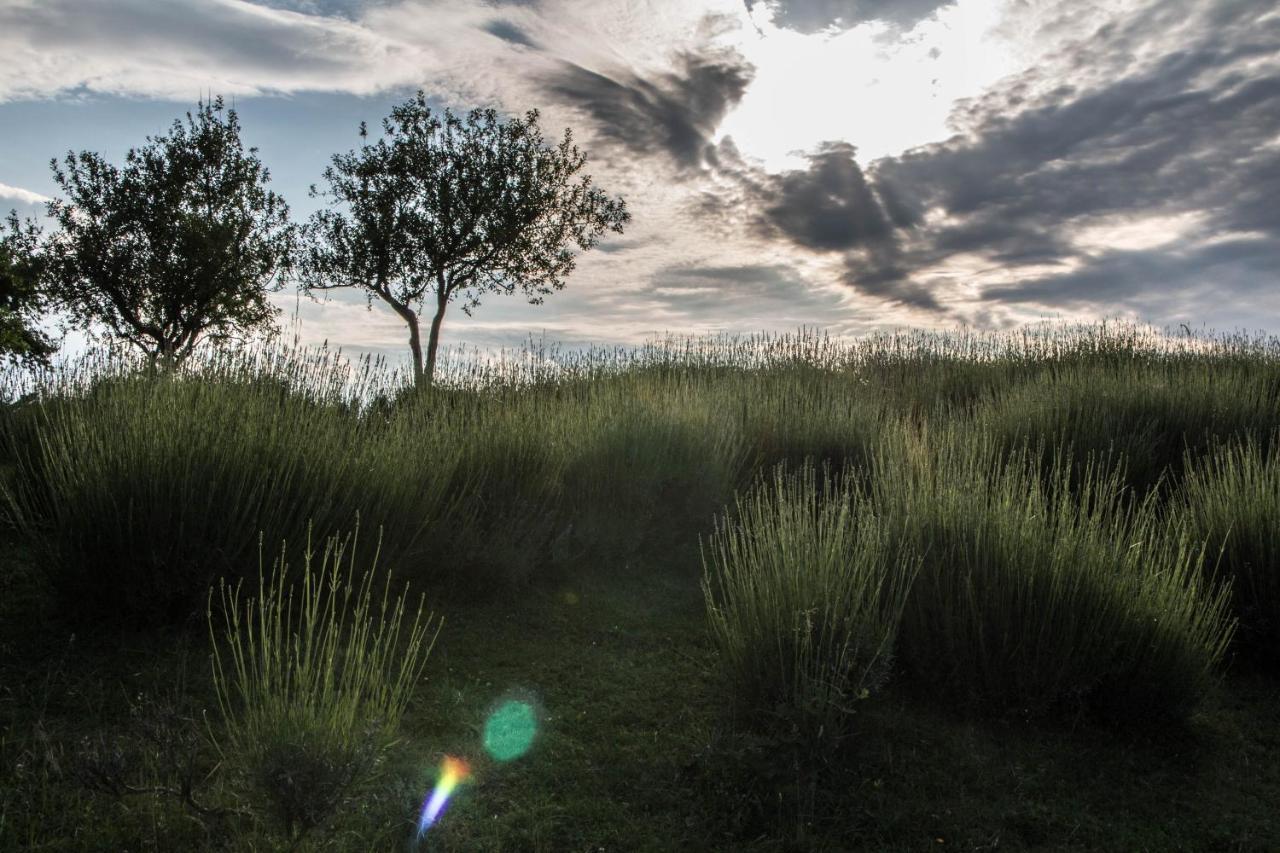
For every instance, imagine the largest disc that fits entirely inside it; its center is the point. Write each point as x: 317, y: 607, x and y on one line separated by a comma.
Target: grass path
x: 621, y: 673
x: 635, y: 753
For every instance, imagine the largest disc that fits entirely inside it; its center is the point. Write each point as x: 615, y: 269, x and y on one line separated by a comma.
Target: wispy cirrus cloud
x: 24, y: 196
x: 675, y: 113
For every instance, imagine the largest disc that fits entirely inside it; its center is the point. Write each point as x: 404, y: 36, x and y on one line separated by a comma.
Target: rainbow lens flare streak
x: 453, y: 772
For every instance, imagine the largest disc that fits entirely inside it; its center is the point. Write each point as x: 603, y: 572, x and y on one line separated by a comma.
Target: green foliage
x: 22, y: 299
x: 174, y: 247
x: 651, y: 462
x: 804, y: 599
x: 792, y: 414
x: 1039, y: 598
x: 1045, y: 586
x: 312, y: 684
x: 1144, y: 413
x: 455, y: 207
x: 1231, y: 499
x: 505, y: 492
x: 136, y: 493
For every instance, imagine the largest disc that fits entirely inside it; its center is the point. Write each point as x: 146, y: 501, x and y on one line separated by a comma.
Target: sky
x: 851, y: 166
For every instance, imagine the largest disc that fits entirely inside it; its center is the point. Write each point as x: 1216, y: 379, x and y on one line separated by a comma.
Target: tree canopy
x: 451, y: 207
x: 21, y: 298
x: 176, y: 246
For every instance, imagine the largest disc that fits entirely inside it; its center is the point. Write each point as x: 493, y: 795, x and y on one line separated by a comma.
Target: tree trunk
x: 433, y: 339
x: 415, y: 340
x: 415, y: 345
x: 163, y: 362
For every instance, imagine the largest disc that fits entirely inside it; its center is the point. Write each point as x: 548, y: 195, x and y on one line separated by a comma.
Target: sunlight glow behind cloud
x: 883, y: 92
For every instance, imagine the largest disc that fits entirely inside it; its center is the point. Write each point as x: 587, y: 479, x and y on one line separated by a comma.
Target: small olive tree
x: 178, y: 245
x: 21, y: 298
x: 449, y: 206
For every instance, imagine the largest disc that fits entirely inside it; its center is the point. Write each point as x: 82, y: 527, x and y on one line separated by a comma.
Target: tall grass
x: 1145, y: 413
x: 804, y: 598
x: 1232, y: 499
x: 792, y: 414
x: 312, y: 678
x: 650, y: 461
x: 137, y: 491
x: 1044, y: 597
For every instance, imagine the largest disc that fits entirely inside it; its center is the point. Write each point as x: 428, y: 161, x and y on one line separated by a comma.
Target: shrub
x: 1232, y: 500
x: 503, y: 494
x: 804, y: 600
x: 1136, y: 417
x: 312, y: 684
x: 137, y: 494
x: 1037, y: 598
x: 792, y: 415
x: 648, y: 465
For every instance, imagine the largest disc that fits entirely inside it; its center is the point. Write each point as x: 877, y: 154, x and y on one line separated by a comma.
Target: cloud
x: 24, y: 196
x: 509, y: 32
x: 813, y: 16
x: 676, y: 113
x: 1161, y: 118
x: 827, y: 207
x: 737, y: 295
x: 349, y: 9
x: 1233, y: 269
x: 1188, y: 133
x: 179, y: 48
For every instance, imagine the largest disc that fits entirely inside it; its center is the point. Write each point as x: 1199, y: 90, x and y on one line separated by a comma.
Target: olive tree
x: 178, y: 245
x: 21, y: 298
x: 443, y: 207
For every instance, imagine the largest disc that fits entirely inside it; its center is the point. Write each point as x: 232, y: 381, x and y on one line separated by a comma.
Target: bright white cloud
x: 883, y: 94
x: 24, y: 196
x: 179, y: 49
x: 1132, y: 234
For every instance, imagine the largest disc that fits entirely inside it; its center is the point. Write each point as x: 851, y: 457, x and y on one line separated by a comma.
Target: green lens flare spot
x: 509, y: 731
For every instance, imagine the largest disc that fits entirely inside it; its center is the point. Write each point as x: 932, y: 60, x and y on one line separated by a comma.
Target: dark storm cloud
x: 509, y: 32
x: 812, y: 16
x: 675, y: 113
x: 829, y: 207
x: 1240, y: 270
x: 1196, y: 130
x: 1193, y: 132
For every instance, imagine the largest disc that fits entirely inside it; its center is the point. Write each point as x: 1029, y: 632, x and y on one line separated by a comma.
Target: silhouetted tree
x: 449, y: 206
x: 21, y: 298
x: 177, y: 246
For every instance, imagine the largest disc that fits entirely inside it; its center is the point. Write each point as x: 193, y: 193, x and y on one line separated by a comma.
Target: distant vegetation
x: 1072, y: 527
x: 182, y: 243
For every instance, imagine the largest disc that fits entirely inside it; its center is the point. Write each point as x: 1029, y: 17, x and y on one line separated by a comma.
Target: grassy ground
x: 555, y: 523
x: 635, y: 751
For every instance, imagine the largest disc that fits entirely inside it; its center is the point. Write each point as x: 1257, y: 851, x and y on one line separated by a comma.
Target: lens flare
x: 453, y: 772
x: 509, y: 731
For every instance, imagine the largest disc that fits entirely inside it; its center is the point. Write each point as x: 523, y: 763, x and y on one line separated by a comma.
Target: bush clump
x: 1139, y: 415
x: 804, y: 599
x: 312, y: 679
x: 1038, y: 598
x: 136, y: 495
x: 1232, y: 500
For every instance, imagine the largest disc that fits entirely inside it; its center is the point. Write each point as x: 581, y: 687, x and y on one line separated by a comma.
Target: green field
x: 917, y: 592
